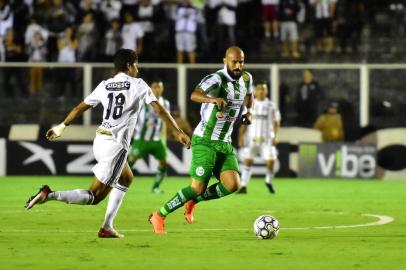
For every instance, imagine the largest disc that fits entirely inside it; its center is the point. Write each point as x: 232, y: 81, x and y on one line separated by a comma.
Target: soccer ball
x: 266, y: 227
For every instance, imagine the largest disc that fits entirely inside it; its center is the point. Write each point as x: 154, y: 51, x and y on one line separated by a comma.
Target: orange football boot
x: 190, y: 207
x: 158, y: 222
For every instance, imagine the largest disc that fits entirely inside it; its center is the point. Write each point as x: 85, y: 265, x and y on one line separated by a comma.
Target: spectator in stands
x: 330, y: 124
x: 226, y: 20
x: 324, y: 13
x: 185, y: 27
x: 67, y: 45
x: 112, y: 40
x: 33, y: 28
x: 309, y: 96
x: 58, y: 16
x: 350, y: 25
x: 111, y: 9
x: 211, y: 14
x: 249, y: 26
x: 21, y: 16
x: 132, y: 34
x: 128, y: 6
x: 201, y: 33
x: 269, y: 11
x: 67, y: 50
x: 288, y: 11
x: 13, y: 77
x: 87, y: 39
x: 90, y: 6
x: 145, y: 15
x: 6, y: 17
x: 2, y: 51
x: 36, y: 50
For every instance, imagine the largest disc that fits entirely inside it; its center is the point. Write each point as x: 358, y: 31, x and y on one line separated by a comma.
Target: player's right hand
x: 220, y: 103
x: 184, y: 139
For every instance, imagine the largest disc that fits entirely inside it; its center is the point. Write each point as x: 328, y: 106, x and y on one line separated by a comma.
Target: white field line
x: 382, y: 220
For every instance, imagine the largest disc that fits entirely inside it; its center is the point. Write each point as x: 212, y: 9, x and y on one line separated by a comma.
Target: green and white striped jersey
x: 220, y: 84
x: 149, y: 123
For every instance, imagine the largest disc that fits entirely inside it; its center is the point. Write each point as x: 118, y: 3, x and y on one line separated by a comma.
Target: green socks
x: 180, y: 198
x: 160, y: 174
x: 214, y: 191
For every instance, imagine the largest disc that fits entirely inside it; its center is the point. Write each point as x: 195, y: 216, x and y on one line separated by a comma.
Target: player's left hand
x: 184, y: 139
x: 51, y: 135
x: 246, y: 119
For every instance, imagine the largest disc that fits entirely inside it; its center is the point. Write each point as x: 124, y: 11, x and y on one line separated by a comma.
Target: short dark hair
x: 156, y: 80
x: 123, y: 57
x: 261, y: 82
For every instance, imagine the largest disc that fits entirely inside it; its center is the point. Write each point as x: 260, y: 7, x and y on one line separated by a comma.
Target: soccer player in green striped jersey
x: 222, y: 94
x: 149, y: 136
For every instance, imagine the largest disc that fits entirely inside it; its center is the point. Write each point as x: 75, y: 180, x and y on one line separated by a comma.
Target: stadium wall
x: 74, y: 155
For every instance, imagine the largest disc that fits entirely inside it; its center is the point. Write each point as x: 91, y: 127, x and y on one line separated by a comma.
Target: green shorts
x: 211, y: 157
x: 141, y: 148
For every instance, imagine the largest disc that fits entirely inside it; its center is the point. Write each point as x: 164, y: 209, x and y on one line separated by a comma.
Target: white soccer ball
x: 266, y: 227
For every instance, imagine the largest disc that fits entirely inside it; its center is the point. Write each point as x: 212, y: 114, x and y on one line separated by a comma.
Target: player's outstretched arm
x: 168, y: 119
x: 241, y: 135
x: 56, y: 132
x: 246, y: 116
x: 199, y: 96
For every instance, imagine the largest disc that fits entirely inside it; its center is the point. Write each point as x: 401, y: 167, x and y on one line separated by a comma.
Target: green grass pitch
x: 60, y: 236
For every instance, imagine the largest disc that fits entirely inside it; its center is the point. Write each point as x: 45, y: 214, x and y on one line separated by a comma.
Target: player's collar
x: 121, y: 74
x: 229, y: 78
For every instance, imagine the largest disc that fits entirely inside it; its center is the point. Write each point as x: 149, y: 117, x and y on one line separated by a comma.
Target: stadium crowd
x: 164, y: 30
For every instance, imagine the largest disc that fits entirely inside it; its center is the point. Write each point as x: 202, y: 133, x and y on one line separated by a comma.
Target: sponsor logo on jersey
x: 230, y: 118
x: 245, y: 77
x: 219, y: 115
x: 260, y: 116
x: 118, y: 86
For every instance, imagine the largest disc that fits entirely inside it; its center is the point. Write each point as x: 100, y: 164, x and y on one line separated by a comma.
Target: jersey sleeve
x: 140, y: 32
x: 94, y: 98
x: 209, y: 83
x: 276, y: 114
x: 167, y: 105
x: 248, y: 82
x: 149, y: 95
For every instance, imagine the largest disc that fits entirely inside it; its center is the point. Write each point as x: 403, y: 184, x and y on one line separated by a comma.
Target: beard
x: 235, y: 74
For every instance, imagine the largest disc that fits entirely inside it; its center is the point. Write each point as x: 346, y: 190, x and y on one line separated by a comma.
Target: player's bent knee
x: 198, y: 187
x: 198, y: 190
x: 234, y: 187
x: 97, y: 200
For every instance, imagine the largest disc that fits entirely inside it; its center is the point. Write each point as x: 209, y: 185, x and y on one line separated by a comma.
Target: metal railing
x: 270, y: 72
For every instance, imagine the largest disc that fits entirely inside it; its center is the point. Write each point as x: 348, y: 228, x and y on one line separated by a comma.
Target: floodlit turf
x: 60, y: 236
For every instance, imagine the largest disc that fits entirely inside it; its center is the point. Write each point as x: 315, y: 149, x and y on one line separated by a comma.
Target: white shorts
x: 289, y: 31
x: 265, y: 151
x: 185, y: 42
x: 111, y: 158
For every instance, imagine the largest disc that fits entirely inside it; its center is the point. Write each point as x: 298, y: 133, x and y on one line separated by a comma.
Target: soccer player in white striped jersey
x: 222, y: 95
x: 149, y: 136
x: 260, y: 137
x: 122, y: 97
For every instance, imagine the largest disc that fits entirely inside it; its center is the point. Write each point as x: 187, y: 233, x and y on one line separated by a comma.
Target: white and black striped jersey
x: 264, y: 114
